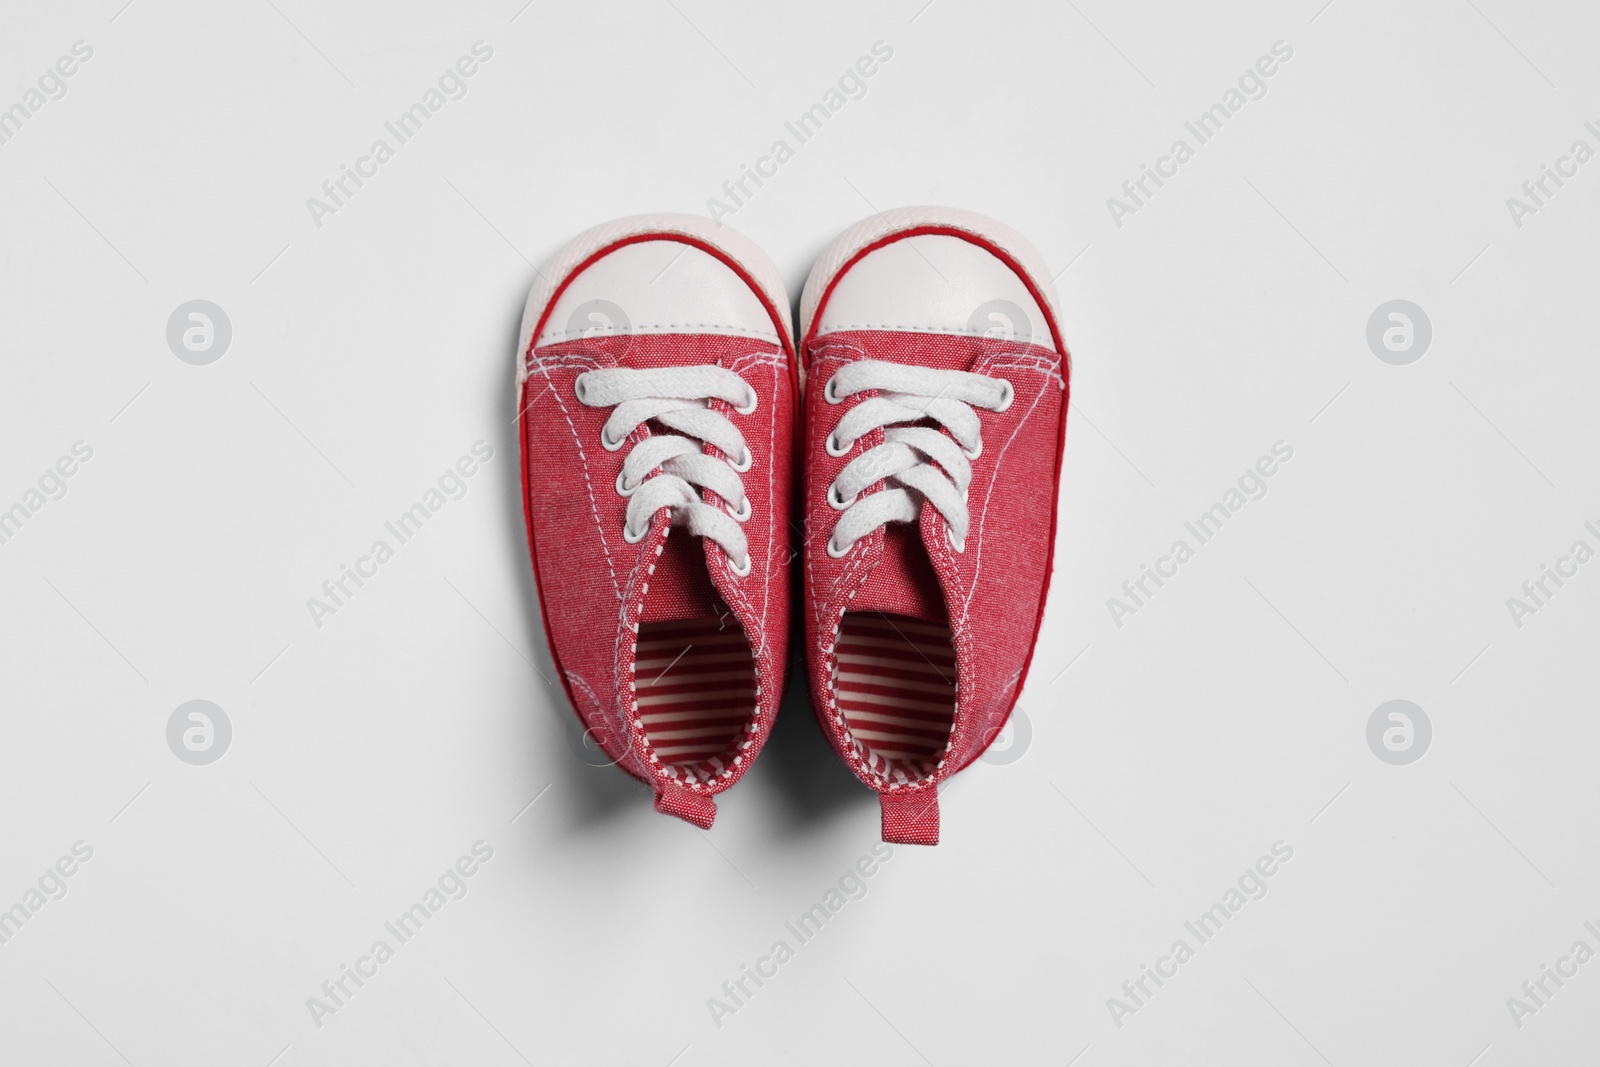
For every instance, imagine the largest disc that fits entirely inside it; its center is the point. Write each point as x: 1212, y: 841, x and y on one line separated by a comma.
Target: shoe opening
x: 695, y: 687
x: 895, y: 683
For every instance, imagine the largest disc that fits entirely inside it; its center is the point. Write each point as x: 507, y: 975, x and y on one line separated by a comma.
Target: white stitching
x: 983, y: 513
x: 698, y: 777
x: 594, y: 505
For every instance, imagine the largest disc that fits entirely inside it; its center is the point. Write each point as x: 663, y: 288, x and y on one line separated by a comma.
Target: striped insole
x: 695, y: 685
x: 896, y: 687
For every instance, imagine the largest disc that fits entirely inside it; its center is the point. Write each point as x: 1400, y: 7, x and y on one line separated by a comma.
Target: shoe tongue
x: 903, y: 582
x: 680, y: 588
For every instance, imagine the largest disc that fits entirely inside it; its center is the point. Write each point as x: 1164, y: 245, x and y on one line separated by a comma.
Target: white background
x: 1163, y: 757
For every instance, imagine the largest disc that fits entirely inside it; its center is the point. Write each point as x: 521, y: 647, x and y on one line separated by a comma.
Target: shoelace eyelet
x: 974, y: 453
x: 745, y: 463
x: 633, y: 538
x: 751, y: 406
x: 608, y: 444
x: 1011, y: 394
x: 836, y: 552
x: 834, y: 447
x: 960, y: 546
x: 623, y: 488
x: 829, y: 394
x: 743, y: 572
x: 741, y: 514
x: 580, y: 388
x: 836, y: 500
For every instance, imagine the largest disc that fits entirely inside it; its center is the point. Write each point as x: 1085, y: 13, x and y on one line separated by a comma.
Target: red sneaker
x: 656, y: 391
x: 935, y: 413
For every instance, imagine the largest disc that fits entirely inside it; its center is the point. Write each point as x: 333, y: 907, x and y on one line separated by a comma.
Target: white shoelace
x: 678, y: 398
x: 917, y: 462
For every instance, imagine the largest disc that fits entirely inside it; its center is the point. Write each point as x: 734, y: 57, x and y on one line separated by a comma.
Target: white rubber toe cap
x: 933, y: 283
x: 954, y: 281
x: 664, y: 273
x: 657, y: 287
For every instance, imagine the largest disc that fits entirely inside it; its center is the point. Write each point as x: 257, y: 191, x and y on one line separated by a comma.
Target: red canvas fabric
x: 595, y: 588
x: 991, y: 596
x: 911, y: 817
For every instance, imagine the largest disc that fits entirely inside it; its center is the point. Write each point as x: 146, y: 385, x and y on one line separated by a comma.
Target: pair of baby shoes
x: 683, y: 459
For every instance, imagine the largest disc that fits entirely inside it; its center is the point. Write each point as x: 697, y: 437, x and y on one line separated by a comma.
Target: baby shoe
x: 655, y: 396
x: 935, y: 413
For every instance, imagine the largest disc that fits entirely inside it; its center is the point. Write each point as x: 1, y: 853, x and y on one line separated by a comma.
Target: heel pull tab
x: 910, y: 817
x: 674, y: 798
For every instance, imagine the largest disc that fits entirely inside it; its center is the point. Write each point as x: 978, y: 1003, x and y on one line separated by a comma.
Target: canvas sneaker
x: 656, y: 390
x: 935, y: 406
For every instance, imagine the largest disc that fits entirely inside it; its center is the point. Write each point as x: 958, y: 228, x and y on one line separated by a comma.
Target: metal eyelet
x: 580, y: 389
x: 836, y: 500
x: 749, y: 407
x: 835, y: 551
x: 633, y: 538
x: 745, y: 462
x: 1011, y: 394
x: 623, y: 488
x: 829, y: 394
x: 976, y: 452
x: 741, y: 572
x: 607, y: 443
x: 835, y: 449
x: 741, y: 514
